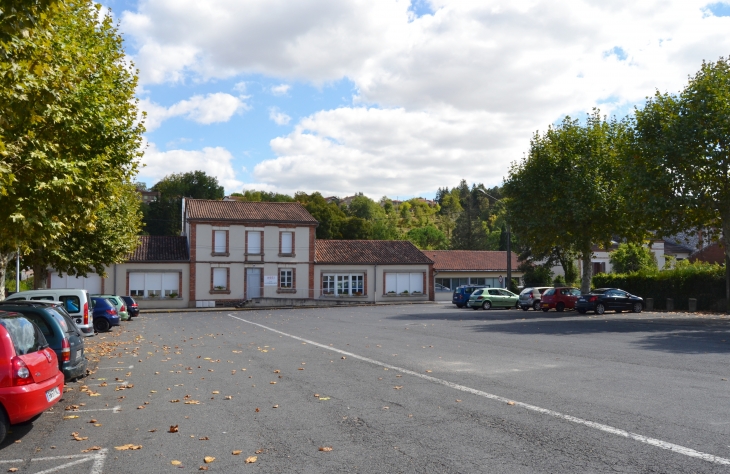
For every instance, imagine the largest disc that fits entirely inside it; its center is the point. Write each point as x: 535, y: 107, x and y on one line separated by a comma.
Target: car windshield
x: 26, y: 336
x: 525, y: 291
x: 549, y: 292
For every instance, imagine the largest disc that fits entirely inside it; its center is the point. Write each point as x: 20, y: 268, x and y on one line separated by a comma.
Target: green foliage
x: 631, y: 257
x: 428, y: 238
x: 164, y: 216
x: 262, y: 196
x: 566, y: 192
x: 559, y: 280
x: 68, y: 122
x: 703, y: 281
x: 536, y: 275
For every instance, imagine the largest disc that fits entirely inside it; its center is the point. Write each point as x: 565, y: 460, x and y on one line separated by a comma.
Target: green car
x: 487, y: 298
x: 118, y: 303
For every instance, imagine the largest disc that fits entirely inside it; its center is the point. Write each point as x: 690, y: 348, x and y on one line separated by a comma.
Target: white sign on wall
x: 269, y: 280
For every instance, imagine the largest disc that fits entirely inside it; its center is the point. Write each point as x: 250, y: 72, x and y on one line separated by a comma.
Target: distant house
x: 713, y: 253
x: 148, y: 196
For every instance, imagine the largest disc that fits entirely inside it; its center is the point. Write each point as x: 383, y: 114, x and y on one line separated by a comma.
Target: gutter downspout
x: 375, y: 286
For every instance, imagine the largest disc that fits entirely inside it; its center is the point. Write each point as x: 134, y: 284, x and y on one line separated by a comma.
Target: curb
x: 260, y: 308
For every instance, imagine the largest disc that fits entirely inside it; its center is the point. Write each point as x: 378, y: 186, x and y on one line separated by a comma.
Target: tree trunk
x: 585, y: 284
x: 39, y: 276
x: 4, y: 259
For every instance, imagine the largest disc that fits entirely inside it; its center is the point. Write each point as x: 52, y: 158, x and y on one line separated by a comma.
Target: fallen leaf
x: 300, y: 368
x: 175, y: 462
x: 141, y: 407
x: 13, y: 469
x: 316, y: 395
x: 192, y: 402
x: 251, y: 459
x: 343, y: 357
x: 398, y: 387
x: 208, y: 459
x: 429, y: 371
x: 153, y: 430
x: 174, y: 401
x: 324, y: 398
x: 97, y: 424
x: 173, y: 429
x: 259, y: 451
x: 458, y: 401
x: 257, y: 410
x: 70, y: 417
x: 275, y: 406
x: 76, y: 436
x: 326, y: 449
x: 92, y: 421
x: 510, y: 403
x: 237, y: 452
x: 228, y: 397
x: 128, y: 447
x: 203, y: 468
x: 215, y: 392
x: 93, y: 448
x: 277, y: 371
x: 272, y: 383
x: 204, y: 438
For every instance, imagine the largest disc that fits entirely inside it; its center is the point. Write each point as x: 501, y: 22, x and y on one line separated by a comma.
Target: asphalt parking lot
x: 412, y: 388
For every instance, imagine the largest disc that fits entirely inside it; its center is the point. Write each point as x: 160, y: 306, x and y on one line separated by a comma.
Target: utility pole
x: 17, y: 271
x: 509, y: 243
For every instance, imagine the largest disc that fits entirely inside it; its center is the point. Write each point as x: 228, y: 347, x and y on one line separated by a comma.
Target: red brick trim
x: 312, y: 237
x: 193, y: 264
x: 432, y: 285
x: 179, y: 284
x: 365, y: 283
x: 213, y: 253
x: 228, y: 281
x: 127, y: 284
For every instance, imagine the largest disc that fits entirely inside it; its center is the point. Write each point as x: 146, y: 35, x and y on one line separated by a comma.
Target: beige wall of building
x: 118, y: 282
x: 374, y: 281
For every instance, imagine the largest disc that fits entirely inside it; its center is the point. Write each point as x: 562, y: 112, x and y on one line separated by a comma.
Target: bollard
x: 692, y: 305
x: 649, y: 302
x: 670, y: 304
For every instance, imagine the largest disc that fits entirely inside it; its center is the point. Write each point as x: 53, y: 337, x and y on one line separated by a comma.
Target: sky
x: 392, y: 97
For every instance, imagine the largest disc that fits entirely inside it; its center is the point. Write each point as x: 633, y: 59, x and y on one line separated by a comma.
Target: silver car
x: 531, y: 297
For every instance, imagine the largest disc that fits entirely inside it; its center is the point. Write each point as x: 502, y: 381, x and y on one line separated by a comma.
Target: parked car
x: 609, y: 299
x: 105, y: 314
x: 560, y: 298
x: 132, y: 307
x: 530, y: 297
x: 118, y: 303
x: 30, y: 382
x: 76, y: 302
x: 59, y: 330
x: 461, y: 294
x: 487, y: 298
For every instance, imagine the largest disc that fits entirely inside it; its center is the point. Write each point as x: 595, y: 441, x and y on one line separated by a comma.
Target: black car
x: 461, y: 294
x: 132, y: 308
x: 609, y: 299
x: 59, y: 329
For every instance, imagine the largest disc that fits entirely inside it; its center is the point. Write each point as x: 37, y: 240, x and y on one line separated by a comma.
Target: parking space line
x: 591, y: 424
x: 97, y: 466
x: 116, y: 409
x: 11, y: 461
x: 117, y: 367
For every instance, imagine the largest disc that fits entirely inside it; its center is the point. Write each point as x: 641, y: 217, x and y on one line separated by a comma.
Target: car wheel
x: 560, y: 307
x: 600, y: 309
x: 487, y: 305
x: 459, y: 305
x: 525, y: 308
x: 536, y: 305
x: 545, y: 310
x: 4, y: 425
x: 101, y: 325
x: 582, y: 311
x: 637, y: 308
x: 619, y: 310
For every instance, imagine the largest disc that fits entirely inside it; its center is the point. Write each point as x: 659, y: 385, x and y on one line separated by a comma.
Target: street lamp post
x: 509, y: 244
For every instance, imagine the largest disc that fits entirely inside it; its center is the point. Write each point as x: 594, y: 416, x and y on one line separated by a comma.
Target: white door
x: 253, y: 283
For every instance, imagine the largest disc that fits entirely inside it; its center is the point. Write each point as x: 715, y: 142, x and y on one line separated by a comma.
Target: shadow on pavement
x: 680, y: 335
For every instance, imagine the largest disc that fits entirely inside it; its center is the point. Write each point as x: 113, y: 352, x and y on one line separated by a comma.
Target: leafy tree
x: 262, y: 196
x: 164, y: 215
x: 535, y: 275
x: 681, y: 167
x: 329, y: 215
x: 356, y: 228
x: 631, y: 257
x: 428, y: 238
x: 68, y: 123
x: 469, y: 233
x: 567, y: 191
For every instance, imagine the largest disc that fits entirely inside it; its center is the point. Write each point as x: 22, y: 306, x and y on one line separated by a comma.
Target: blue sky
x: 390, y: 96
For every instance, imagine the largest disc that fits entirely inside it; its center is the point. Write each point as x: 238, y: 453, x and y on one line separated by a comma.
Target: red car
x: 560, y: 298
x: 30, y: 381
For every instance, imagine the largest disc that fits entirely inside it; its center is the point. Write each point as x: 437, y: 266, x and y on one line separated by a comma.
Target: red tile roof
x: 381, y: 252
x: 470, y: 260
x: 160, y: 248
x: 261, y: 212
x: 713, y: 253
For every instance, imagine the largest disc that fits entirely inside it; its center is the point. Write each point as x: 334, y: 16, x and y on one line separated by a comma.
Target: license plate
x: 53, y: 394
x: 581, y: 299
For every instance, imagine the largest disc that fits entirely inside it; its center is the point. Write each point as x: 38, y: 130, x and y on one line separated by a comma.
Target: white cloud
x: 281, y: 89
x: 211, y: 108
x: 280, y: 118
x: 380, y: 151
x: 214, y: 161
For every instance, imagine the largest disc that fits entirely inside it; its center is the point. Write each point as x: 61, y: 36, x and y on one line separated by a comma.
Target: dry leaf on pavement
x: 208, y: 459
x: 510, y: 403
x: 79, y: 438
x: 326, y: 449
x: 173, y: 429
x: 93, y: 448
x: 70, y: 417
x: 13, y: 469
x: 175, y: 462
x: 203, y: 468
x: 128, y: 447
x: 251, y: 459
x: 237, y: 452
x: 398, y: 387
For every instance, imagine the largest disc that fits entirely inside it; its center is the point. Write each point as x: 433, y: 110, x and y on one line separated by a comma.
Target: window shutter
x: 286, y: 242
x: 153, y: 281
x: 391, y: 282
x: 136, y: 282
x: 170, y: 281
x: 403, y: 282
x: 220, y: 277
x: 220, y: 241
x: 254, y: 242
x: 416, y: 282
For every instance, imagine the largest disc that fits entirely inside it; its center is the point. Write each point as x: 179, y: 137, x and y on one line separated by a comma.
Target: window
x: 220, y: 279
x: 71, y: 303
x: 254, y: 243
x: 477, y: 281
x: 220, y: 244
x: 328, y: 284
x: 26, y: 336
x: 154, y: 285
x: 404, y: 283
x: 286, y: 278
x: 287, y: 243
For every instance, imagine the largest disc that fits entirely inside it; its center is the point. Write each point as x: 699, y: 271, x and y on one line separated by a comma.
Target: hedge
x: 706, y: 282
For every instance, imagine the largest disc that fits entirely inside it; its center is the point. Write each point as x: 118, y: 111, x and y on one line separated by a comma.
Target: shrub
x: 703, y: 281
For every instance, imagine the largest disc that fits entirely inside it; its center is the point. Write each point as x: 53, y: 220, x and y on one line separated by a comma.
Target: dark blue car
x: 461, y: 294
x: 105, y: 314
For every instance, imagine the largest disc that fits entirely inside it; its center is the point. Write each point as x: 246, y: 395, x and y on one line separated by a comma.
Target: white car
x: 77, y: 303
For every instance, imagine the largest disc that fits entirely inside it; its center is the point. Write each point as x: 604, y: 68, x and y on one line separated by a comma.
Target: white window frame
x: 404, y: 283
x: 287, y: 249
x: 154, y: 284
x: 218, y: 274
x: 286, y: 278
x: 258, y: 247
x: 344, y: 284
x: 220, y: 247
